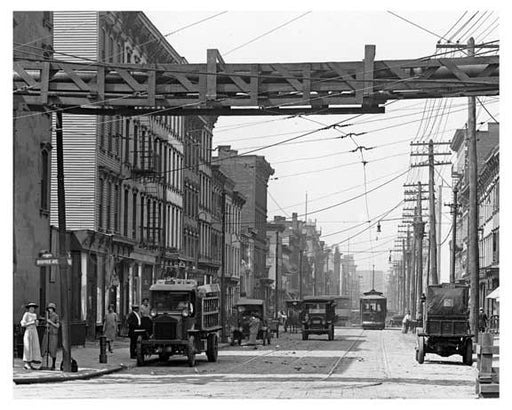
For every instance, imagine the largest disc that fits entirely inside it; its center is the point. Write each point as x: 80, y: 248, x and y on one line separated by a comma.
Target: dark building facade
x: 32, y: 155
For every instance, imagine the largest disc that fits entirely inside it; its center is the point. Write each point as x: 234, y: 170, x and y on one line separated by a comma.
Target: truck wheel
x: 239, y: 341
x: 212, y: 348
x: 191, y: 352
x: 420, y: 355
x: 304, y: 336
x: 139, y: 352
x: 467, y: 357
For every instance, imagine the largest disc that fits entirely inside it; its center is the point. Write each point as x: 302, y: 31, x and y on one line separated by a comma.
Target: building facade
x: 488, y: 211
x: 124, y: 176
x: 32, y: 165
x: 250, y: 174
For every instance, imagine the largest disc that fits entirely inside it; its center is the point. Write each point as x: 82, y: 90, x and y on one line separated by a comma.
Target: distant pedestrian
x: 145, y: 309
x: 406, y: 322
x: 482, y: 320
x: 110, y: 327
x: 51, y: 336
x: 31, y: 348
x: 134, y: 322
x: 254, y: 327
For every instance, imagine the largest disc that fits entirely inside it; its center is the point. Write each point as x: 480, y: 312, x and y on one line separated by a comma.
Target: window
x: 100, y: 203
x: 134, y: 215
x: 135, y: 144
x: 142, y: 236
x: 45, y: 179
x: 127, y: 141
x: 109, y: 205
x: 116, y: 208
x: 125, y: 213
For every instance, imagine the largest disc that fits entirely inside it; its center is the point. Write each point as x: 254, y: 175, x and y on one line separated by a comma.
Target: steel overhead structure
x: 220, y: 88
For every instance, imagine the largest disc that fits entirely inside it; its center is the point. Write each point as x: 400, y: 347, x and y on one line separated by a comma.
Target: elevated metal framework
x: 218, y: 88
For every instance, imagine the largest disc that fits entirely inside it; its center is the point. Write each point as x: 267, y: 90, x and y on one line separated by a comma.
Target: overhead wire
x: 266, y: 33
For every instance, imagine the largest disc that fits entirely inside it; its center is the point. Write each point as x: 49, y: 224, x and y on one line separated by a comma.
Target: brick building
x: 251, y: 174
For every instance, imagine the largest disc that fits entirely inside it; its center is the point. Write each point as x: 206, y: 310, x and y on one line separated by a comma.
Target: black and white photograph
x: 291, y: 201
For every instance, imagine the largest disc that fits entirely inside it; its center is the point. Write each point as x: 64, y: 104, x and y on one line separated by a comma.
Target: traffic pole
x: 63, y: 265
x: 473, y: 263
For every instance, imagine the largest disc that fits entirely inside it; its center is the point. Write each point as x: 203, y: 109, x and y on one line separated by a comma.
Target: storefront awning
x: 495, y: 294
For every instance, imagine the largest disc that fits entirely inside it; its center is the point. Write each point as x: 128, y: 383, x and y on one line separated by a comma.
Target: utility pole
x: 455, y: 210
x: 439, y: 228
x: 404, y: 271
x: 277, y: 275
x: 300, y: 273
x: 419, y: 227
x: 433, y: 268
x: 65, y: 288
x: 473, y: 262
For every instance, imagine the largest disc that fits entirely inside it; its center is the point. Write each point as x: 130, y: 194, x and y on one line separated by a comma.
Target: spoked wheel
x: 420, y: 353
x: 467, y: 356
x: 139, y: 352
x: 191, y: 352
x: 212, y: 348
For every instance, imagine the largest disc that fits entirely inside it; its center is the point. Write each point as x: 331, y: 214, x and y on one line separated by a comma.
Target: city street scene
x: 293, y: 204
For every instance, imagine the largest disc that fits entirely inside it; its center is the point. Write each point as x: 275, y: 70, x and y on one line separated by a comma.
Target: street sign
x: 52, y: 261
x: 47, y: 261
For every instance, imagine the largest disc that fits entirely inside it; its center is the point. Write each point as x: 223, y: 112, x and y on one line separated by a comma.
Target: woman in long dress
x: 110, y: 327
x: 51, y: 336
x: 31, y: 348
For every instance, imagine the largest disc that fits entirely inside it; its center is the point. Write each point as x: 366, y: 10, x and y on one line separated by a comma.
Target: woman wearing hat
x: 31, y: 349
x: 51, y: 337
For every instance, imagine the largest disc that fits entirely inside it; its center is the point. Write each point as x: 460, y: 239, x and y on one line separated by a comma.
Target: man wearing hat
x: 51, y: 337
x: 31, y: 349
x: 482, y: 320
x: 134, y: 322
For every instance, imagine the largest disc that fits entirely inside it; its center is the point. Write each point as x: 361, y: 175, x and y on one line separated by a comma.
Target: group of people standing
x: 32, y: 351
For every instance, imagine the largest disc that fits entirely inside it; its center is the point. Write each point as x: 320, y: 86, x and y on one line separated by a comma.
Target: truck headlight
x: 184, y: 313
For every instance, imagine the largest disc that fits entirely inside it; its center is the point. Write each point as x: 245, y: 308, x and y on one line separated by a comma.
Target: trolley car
x: 373, y: 310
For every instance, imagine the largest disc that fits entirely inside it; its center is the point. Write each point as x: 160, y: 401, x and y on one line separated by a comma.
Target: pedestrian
x: 482, y: 320
x: 110, y: 327
x: 51, y: 336
x: 145, y: 309
x: 31, y: 348
x: 254, y: 327
x: 134, y: 322
x: 406, y: 322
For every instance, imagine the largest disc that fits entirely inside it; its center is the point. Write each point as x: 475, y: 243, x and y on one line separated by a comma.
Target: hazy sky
x: 321, y: 164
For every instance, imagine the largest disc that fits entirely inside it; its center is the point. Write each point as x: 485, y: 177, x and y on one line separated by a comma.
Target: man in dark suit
x: 134, y: 322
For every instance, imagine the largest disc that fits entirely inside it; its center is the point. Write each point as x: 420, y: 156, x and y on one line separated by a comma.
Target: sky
x: 321, y: 166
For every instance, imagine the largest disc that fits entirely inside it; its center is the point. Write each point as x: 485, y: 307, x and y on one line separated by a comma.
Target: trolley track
x: 338, y: 361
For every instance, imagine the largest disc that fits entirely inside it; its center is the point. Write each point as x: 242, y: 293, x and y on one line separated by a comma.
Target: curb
x: 84, y: 376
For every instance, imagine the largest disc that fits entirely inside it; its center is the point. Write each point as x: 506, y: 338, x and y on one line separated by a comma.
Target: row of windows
x: 143, y: 216
x: 490, y: 204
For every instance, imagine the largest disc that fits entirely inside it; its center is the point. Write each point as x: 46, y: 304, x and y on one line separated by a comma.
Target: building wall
x: 32, y: 154
x: 124, y: 176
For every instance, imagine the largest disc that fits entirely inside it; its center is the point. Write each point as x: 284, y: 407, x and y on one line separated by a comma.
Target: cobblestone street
x: 357, y: 364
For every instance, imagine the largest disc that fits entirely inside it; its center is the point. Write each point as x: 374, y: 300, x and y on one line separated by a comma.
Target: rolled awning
x: 495, y: 294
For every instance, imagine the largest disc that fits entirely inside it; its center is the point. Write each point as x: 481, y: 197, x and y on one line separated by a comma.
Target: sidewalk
x: 89, y: 365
